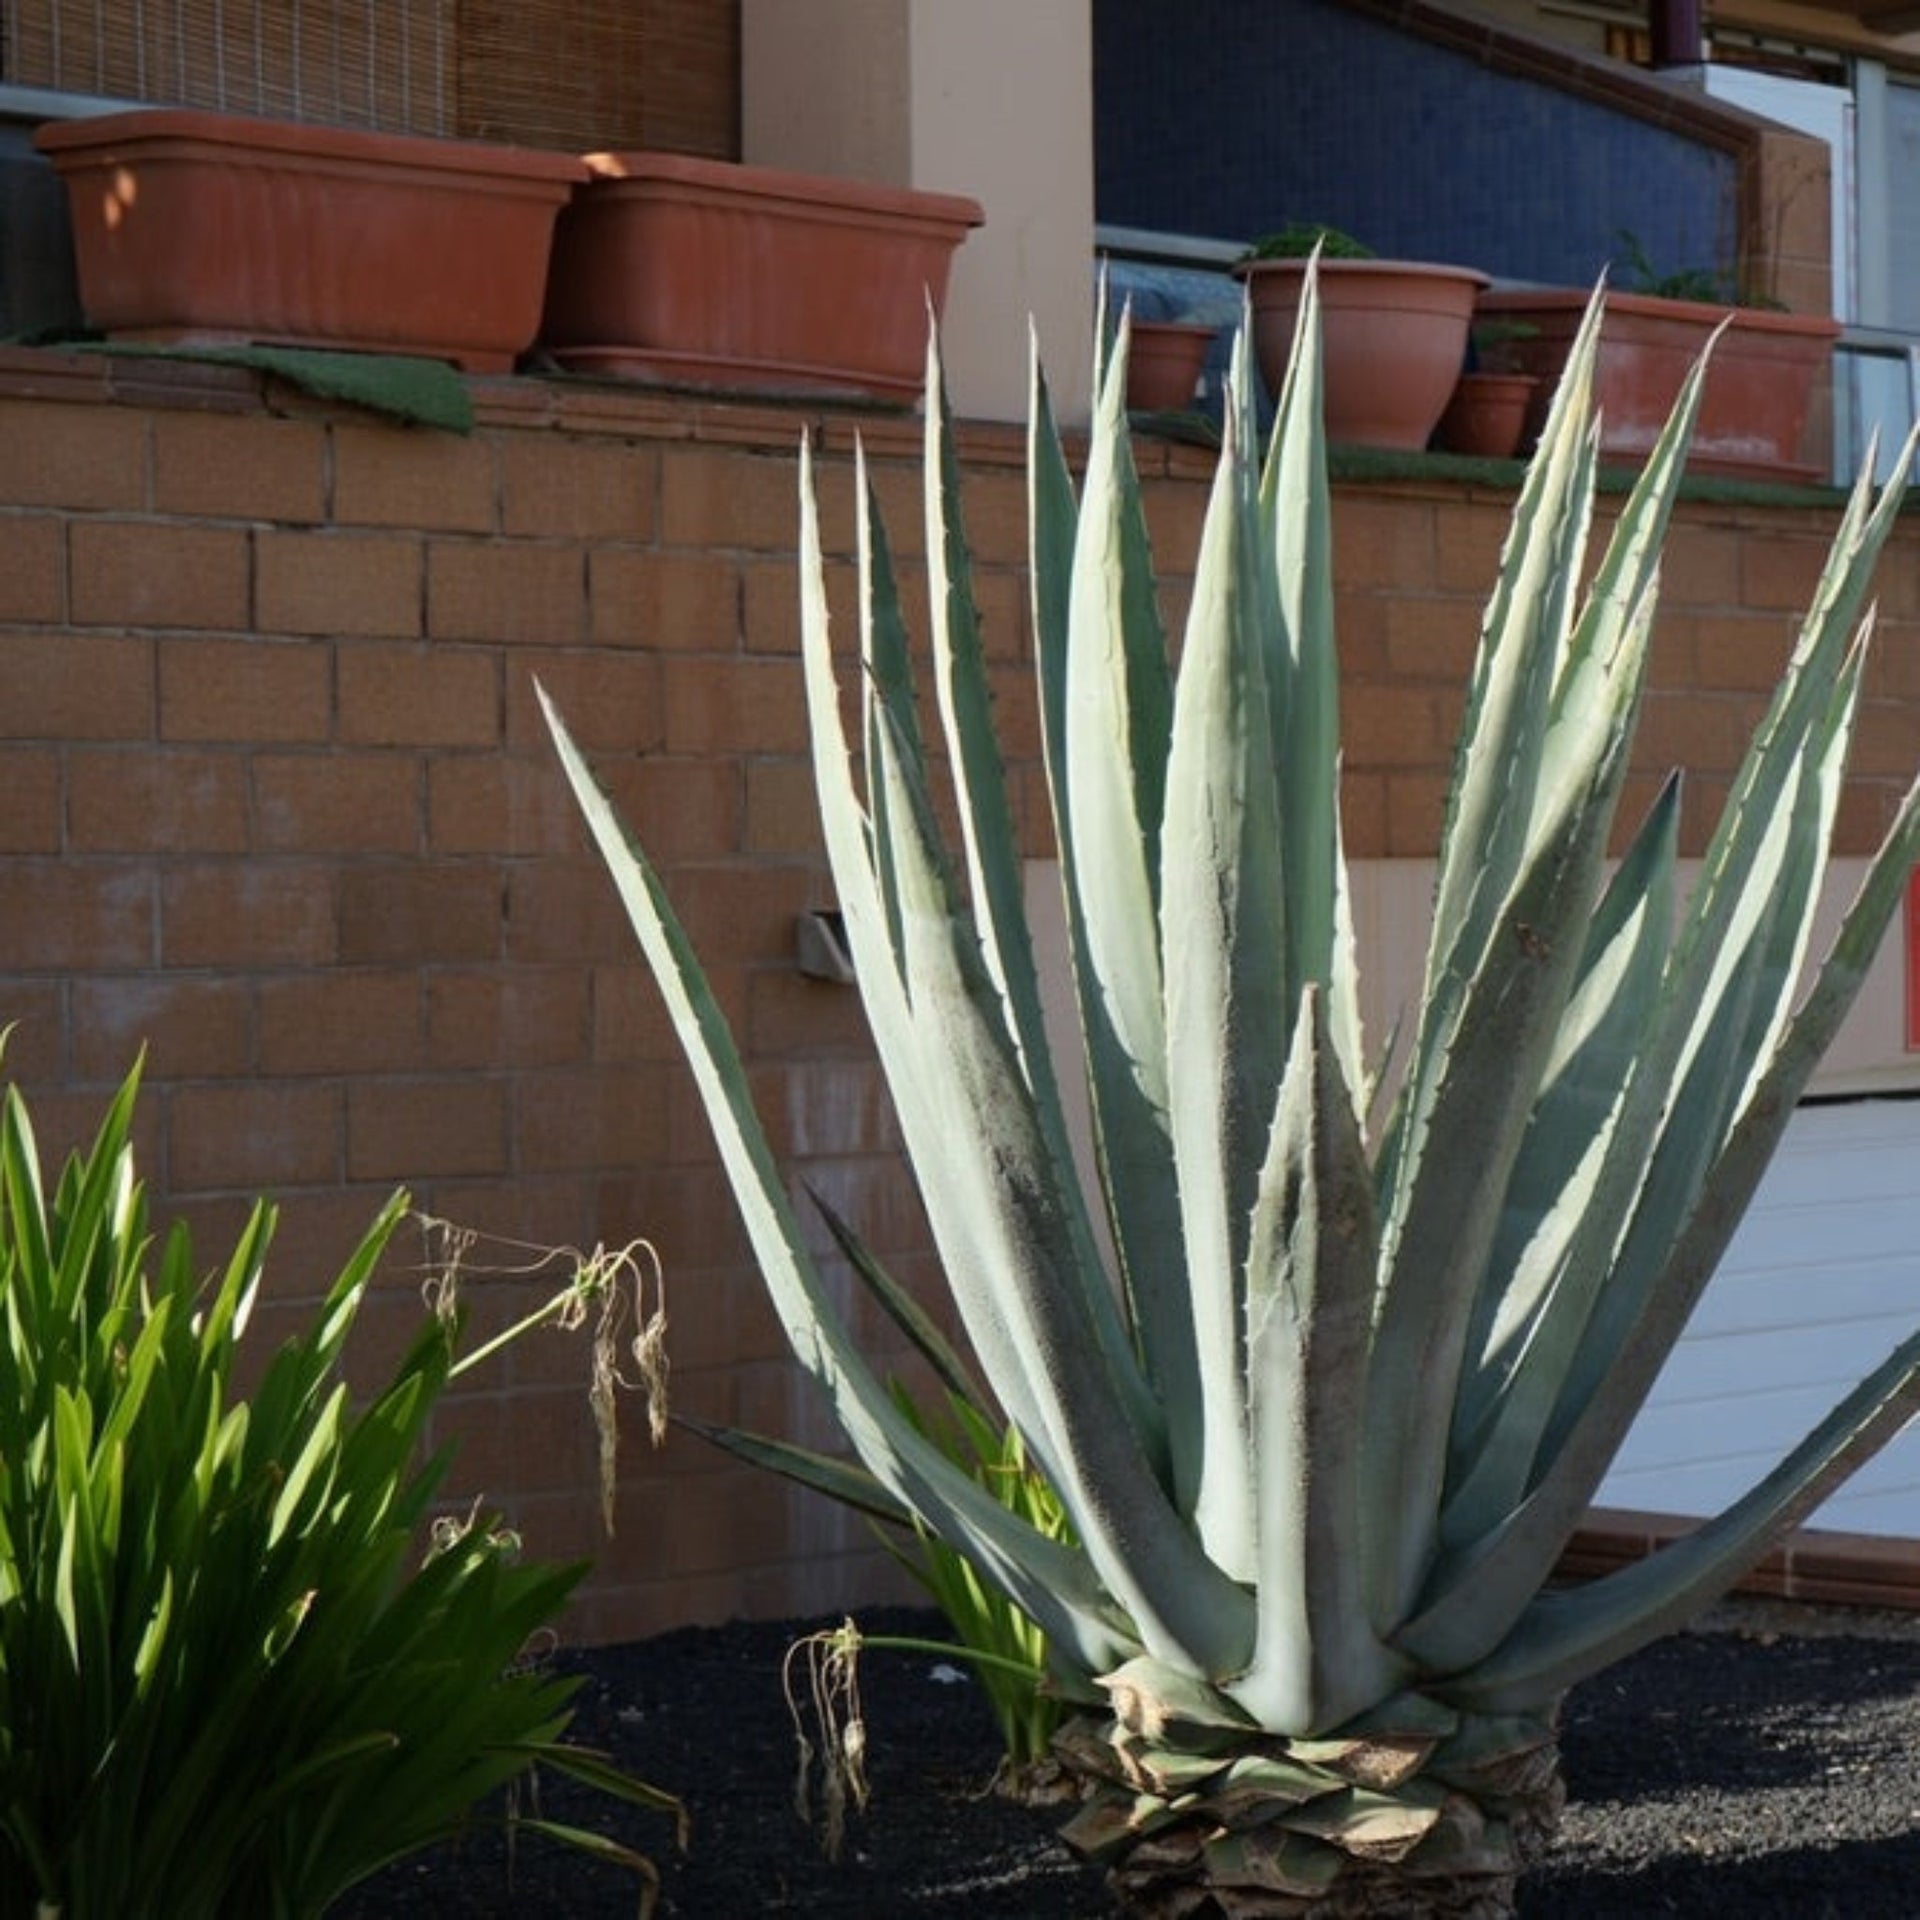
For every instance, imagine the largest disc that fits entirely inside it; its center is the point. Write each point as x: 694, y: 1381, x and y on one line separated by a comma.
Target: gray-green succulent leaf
x: 1322, y: 1402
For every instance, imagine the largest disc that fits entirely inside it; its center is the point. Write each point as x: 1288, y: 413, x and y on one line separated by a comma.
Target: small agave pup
x: 1325, y: 1429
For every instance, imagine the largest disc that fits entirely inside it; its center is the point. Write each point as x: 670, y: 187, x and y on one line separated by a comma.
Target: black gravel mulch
x: 1744, y: 1769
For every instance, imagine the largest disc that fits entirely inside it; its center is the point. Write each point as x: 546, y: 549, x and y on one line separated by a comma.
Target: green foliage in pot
x: 1493, y: 345
x: 226, y: 1688
x: 1325, y: 1427
x: 1300, y: 238
x: 1704, y: 286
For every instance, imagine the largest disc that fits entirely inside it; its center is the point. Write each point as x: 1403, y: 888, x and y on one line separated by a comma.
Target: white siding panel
x: 1819, y: 1284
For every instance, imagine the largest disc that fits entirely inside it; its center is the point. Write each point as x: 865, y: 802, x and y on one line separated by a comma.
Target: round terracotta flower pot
x: 1164, y: 361
x: 1487, y: 415
x: 195, y: 228
x: 1394, y: 334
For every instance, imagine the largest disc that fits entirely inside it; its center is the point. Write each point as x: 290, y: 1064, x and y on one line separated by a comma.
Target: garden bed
x: 1768, y: 1764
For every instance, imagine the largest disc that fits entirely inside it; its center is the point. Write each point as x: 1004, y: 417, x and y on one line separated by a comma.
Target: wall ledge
x: 569, y: 404
x: 533, y: 402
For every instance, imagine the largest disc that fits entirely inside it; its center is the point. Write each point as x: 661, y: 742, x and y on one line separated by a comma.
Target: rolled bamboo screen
x: 568, y: 74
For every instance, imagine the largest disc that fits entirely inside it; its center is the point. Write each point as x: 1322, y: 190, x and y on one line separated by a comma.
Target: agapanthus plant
x: 230, y: 1681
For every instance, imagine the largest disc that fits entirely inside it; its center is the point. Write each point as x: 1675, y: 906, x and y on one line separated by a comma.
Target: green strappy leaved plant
x: 229, y: 1683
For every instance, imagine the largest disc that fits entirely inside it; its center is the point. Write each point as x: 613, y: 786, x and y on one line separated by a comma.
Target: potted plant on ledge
x: 1489, y: 413
x: 1395, y: 330
x: 704, y: 273
x: 1762, y: 383
x: 1165, y: 362
x: 214, y: 229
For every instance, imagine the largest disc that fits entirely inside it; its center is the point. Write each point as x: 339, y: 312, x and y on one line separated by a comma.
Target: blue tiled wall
x: 1229, y: 118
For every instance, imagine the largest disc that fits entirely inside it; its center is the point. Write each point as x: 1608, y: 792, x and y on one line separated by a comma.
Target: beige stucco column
x: 992, y: 98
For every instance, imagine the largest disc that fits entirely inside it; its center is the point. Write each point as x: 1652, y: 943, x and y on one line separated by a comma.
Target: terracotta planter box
x: 1761, y: 388
x: 703, y: 273
x: 207, y: 229
x: 1394, y: 336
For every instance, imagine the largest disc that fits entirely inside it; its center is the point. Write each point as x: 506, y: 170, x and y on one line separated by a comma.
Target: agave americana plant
x: 1324, y: 1425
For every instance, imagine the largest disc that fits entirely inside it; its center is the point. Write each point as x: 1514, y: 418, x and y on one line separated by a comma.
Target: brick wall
x: 278, y: 807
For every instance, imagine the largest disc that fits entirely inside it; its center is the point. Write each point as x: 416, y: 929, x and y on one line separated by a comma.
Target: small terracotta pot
x: 703, y: 273
x: 1487, y: 415
x: 210, y: 228
x: 1394, y: 335
x: 1164, y: 360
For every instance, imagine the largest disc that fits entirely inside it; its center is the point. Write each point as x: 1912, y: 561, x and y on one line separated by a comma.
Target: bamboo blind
x: 569, y: 74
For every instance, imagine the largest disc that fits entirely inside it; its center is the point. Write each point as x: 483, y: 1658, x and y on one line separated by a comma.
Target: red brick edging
x: 1847, y: 1569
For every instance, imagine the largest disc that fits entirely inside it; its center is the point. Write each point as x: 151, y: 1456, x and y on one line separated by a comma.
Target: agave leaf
x: 1497, y: 1578
x: 1373, y: 1826
x: 1050, y: 1581
x: 1536, y: 1296
x: 1728, y: 996
x: 1053, y: 519
x: 846, y: 1481
x: 901, y: 1307
x: 1117, y: 725
x: 1665, y: 1141
x: 966, y: 711
x: 1294, y: 521
x: 1274, y: 1862
x: 1476, y: 1119
x: 1817, y: 807
x: 867, y: 857
x: 1222, y: 921
x: 1566, y: 1635
x: 993, y: 862
x: 1523, y: 639
x: 1567, y: 781
x: 1656, y: 1153
x: 1107, y: 1827
x: 999, y: 1195
x: 1309, y: 1311
x: 1149, y: 1697
x: 1126, y: 680
x: 887, y: 688
x: 992, y: 1192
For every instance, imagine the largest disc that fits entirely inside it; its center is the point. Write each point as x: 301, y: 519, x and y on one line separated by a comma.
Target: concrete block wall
x: 276, y: 805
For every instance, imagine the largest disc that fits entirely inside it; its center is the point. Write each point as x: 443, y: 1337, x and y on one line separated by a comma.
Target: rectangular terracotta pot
x: 704, y: 273
x: 198, y: 228
x: 1767, y: 374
